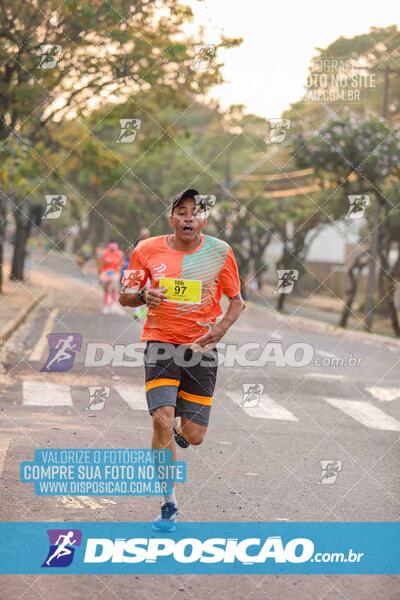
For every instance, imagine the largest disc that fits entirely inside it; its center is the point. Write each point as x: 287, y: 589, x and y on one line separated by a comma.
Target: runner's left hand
x: 208, y: 340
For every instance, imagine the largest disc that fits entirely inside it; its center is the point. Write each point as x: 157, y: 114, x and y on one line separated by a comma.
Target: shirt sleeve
x: 229, y: 276
x: 139, y: 270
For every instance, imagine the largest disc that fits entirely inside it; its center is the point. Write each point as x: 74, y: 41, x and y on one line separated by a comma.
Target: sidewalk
x: 325, y: 309
x: 16, y: 302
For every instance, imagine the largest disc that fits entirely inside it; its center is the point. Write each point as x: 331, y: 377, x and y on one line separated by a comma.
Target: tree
x: 357, y: 155
x: 62, y: 60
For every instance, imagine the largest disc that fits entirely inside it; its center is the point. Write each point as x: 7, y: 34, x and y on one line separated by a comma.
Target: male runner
x: 181, y: 327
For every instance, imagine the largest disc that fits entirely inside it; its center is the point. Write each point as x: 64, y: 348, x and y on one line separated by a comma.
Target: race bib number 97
x: 182, y: 290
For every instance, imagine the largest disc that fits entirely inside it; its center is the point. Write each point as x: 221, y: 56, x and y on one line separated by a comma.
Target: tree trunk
x: 281, y: 301
x: 393, y: 276
x: 393, y: 314
x: 23, y: 226
x: 3, y: 214
x: 354, y: 273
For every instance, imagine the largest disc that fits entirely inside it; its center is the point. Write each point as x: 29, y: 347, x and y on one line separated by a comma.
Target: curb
x: 362, y: 336
x: 7, y: 331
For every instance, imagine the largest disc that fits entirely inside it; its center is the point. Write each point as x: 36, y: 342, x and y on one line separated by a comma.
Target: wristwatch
x: 141, y: 296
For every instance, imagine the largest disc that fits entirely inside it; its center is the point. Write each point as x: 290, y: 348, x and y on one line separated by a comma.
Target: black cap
x: 186, y: 194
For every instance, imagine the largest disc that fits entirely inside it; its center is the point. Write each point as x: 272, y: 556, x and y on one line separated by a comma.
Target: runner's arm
x: 136, y: 263
x: 236, y: 305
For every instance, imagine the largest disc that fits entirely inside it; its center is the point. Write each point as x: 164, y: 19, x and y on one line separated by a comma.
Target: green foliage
x: 351, y: 145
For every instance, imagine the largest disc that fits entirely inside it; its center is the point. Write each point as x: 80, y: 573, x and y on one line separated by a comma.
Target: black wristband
x: 141, y: 296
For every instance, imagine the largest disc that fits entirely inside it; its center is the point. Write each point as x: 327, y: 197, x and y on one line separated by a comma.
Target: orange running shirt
x: 212, y: 262
x: 111, y: 260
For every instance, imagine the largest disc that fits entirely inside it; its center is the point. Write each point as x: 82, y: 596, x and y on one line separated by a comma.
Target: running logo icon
x: 204, y: 204
x: 132, y: 280
x: 251, y: 394
x: 62, y: 350
x: 97, y: 397
x: 329, y: 471
x: 203, y: 55
x: 129, y: 128
x: 277, y: 130
x: 286, y: 280
x: 54, y: 206
x: 62, y: 547
x: 50, y: 55
x: 358, y: 204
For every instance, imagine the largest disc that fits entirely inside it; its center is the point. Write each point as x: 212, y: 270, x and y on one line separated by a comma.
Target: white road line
x: 81, y: 502
x: 266, y: 408
x: 90, y: 502
x: 3, y: 453
x: 323, y: 376
x: 327, y: 354
x: 133, y: 395
x: 43, y: 393
x: 38, y: 349
x: 366, y: 414
x: 274, y: 336
x: 384, y: 394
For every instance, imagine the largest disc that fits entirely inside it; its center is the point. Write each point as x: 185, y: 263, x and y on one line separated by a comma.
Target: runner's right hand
x: 154, y: 296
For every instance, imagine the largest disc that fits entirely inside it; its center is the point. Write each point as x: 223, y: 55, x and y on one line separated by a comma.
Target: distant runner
x: 110, y: 266
x: 188, y: 272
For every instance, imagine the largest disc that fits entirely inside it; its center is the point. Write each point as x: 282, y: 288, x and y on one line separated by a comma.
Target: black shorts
x: 177, y: 376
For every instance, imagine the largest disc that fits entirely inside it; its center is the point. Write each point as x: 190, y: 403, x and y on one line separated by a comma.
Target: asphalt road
x: 260, y: 463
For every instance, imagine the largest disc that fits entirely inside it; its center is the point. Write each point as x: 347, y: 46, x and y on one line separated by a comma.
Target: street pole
x: 374, y: 250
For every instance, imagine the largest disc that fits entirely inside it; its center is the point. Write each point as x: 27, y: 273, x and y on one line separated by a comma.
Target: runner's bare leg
x: 163, y: 425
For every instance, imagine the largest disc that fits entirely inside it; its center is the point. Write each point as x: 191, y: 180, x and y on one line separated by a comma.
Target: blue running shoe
x: 166, y: 520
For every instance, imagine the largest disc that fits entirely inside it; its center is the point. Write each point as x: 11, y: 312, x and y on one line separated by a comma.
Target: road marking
x: 323, y: 376
x: 90, y: 502
x: 266, y: 408
x: 133, y: 395
x: 70, y: 502
x: 366, y: 414
x: 384, y: 394
x: 3, y: 453
x: 43, y: 393
x: 327, y: 354
x: 82, y: 502
x: 38, y: 349
x: 274, y: 336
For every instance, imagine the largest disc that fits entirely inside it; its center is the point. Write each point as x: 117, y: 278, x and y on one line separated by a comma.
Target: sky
x: 269, y: 69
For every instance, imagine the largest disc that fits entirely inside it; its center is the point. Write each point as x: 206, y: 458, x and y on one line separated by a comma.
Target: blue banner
x: 200, y: 548
x: 103, y: 472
